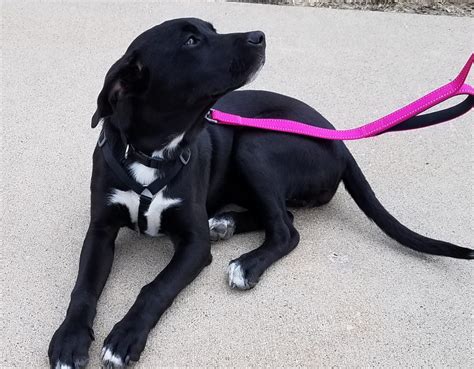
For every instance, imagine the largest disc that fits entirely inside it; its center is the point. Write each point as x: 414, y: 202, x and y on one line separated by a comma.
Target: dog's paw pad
x: 221, y: 228
x: 110, y: 360
x: 237, y: 277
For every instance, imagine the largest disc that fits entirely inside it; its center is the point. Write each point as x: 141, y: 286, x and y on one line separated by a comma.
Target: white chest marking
x: 153, y: 215
x: 127, y: 198
x: 131, y: 200
x: 143, y: 174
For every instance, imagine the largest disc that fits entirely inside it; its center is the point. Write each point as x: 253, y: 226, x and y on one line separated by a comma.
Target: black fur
x: 164, y: 84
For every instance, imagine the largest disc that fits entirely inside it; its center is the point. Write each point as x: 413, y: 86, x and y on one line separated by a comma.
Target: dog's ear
x: 127, y: 77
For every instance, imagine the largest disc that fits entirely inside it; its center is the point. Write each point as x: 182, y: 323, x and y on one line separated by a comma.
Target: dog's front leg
x: 128, y: 337
x: 70, y: 343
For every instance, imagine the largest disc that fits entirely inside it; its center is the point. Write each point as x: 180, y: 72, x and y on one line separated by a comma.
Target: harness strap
x: 144, y: 159
x: 146, y: 193
x: 408, y: 115
x: 144, y: 205
x: 116, y: 166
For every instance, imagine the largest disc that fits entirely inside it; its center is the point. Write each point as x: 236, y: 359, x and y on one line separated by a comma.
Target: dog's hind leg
x: 223, y: 226
x: 280, y: 238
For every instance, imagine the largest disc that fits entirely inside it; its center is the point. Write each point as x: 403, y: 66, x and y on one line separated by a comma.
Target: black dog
x: 153, y: 106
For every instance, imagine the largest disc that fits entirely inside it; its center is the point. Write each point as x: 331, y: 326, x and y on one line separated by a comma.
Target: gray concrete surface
x: 347, y: 296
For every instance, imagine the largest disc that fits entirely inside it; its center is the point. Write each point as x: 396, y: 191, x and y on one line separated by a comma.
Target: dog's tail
x: 360, y: 190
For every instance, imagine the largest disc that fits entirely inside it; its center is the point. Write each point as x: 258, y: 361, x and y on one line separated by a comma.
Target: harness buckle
x: 145, y: 198
x: 208, y: 116
x: 185, y: 156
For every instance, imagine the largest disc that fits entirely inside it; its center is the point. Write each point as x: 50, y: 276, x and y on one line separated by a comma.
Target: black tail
x: 362, y: 193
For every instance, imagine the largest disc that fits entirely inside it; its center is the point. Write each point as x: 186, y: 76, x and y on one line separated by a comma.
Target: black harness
x: 146, y: 193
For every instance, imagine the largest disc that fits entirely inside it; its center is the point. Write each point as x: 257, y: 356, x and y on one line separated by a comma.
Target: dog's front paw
x: 69, y: 346
x: 124, y: 343
x: 221, y: 227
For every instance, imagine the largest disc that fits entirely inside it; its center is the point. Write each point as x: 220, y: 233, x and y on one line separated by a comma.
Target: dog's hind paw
x: 238, y: 278
x: 221, y: 227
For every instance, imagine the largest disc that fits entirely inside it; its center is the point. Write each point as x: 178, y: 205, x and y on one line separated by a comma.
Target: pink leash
x: 386, y: 123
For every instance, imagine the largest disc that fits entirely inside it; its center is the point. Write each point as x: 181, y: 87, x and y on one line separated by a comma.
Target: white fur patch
x: 221, y: 228
x: 214, y: 222
x: 60, y: 365
x: 170, y: 147
x: 236, y: 276
x: 127, y: 198
x: 132, y: 201
x: 109, y: 356
x: 143, y: 174
x: 157, y: 206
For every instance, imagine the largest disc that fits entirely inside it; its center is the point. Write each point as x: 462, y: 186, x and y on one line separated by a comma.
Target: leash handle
x: 381, y: 125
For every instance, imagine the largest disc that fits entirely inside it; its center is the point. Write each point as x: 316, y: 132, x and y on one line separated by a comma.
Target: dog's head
x: 180, y: 65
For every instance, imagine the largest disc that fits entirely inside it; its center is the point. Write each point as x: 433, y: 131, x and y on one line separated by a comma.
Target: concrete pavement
x: 347, y: 296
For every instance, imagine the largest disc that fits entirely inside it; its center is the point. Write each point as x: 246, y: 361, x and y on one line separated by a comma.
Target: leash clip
x: 102, y: 139
x: 127, y: 148
x: 208, y: 116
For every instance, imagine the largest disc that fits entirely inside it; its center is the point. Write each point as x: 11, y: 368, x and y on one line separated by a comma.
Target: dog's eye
x: 191, y: 41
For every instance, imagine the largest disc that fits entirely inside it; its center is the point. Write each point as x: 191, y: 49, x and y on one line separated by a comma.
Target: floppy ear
x: 125, y: 78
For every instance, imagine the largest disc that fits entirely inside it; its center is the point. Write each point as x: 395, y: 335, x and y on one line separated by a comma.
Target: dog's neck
x: 169, y: 134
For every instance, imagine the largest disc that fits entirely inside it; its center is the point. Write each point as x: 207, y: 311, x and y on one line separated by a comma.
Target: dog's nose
x: 256, y: 38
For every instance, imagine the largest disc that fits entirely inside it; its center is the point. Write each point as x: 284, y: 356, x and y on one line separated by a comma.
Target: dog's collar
x: 151, y: 161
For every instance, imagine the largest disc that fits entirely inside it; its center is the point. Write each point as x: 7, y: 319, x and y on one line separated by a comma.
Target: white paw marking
x: 236, y: 276
x: 215, y: 227
x: 170, y: 147
x: 109, y: 356
x: 60, y: 365
x: 215, y: 222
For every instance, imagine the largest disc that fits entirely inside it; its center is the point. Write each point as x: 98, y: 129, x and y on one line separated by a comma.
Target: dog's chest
x: 144, y: 175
